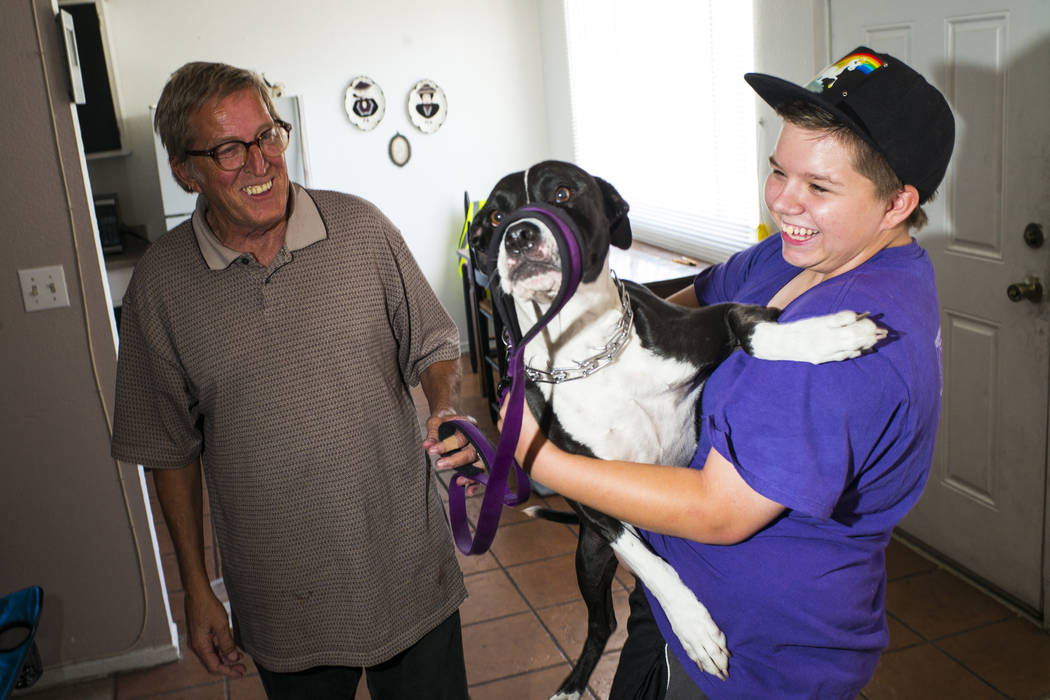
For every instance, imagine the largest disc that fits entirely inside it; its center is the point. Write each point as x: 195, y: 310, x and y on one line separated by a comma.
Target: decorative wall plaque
x: 427, y: 106
x: 400, y: 150
x: 365, y: 103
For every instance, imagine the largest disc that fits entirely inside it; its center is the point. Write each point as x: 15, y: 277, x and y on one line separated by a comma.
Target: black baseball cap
x: 887, y: 103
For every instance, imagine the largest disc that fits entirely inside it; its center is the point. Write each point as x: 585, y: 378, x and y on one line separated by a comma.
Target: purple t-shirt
x: 845, y: 446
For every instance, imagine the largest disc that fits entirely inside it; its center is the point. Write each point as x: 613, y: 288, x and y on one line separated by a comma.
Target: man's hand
x: 181, y: 498
x: 437, y: 448
x: 210, y: 636
x: 441, y: 382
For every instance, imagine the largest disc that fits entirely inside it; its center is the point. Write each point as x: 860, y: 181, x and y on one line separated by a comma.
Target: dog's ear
x: 478, y: 245
x: 616, y: 212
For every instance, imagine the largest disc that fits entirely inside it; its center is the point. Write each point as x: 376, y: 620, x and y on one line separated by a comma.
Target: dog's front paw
x: 700, y: 637
x: 830, y: 338
x: 692, y: 624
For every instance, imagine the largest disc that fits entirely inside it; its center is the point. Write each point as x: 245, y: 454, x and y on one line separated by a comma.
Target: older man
x: 271, y: 339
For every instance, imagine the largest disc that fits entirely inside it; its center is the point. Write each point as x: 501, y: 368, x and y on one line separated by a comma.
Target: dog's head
x: 526, y: 256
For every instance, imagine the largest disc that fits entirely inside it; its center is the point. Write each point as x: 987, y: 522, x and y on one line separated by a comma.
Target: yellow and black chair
x: 484, y: 327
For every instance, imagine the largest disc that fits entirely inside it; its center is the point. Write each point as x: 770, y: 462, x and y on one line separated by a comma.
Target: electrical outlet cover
x: 44, y: 288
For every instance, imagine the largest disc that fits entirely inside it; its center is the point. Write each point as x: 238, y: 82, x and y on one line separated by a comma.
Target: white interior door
x: 985, y: 503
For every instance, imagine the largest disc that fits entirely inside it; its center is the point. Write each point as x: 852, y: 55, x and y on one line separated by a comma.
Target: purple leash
x: 500, y: 461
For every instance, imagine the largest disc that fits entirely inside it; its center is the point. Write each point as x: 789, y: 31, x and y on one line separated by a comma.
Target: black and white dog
x: 641, y: 363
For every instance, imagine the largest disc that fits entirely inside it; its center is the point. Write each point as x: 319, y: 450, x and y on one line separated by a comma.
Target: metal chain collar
x: 604, y: 357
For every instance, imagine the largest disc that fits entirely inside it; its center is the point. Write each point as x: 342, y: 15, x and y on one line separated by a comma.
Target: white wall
x: 485, y: 56
x: 556, y: 79
x: 791, y: 42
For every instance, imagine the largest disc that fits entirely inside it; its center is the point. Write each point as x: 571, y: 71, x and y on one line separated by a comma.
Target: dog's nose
x: 521, y: 237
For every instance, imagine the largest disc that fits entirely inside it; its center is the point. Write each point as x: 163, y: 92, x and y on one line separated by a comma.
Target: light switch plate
x: 44, y: 288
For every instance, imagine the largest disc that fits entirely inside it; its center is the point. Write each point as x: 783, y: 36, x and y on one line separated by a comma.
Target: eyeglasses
x: 232, y: 155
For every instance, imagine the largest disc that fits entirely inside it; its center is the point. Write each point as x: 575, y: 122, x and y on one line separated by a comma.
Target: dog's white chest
x: 640, y: 408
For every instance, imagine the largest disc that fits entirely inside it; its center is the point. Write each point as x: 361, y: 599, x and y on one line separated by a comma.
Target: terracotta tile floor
x: 524, y: 620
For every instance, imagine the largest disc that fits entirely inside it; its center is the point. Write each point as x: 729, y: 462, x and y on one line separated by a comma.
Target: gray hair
x: 186, y: 92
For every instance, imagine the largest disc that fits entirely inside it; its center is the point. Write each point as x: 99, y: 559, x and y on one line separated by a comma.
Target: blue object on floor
x: 20, y: 665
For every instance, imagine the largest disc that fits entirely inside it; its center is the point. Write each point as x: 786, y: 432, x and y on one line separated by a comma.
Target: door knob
x: 1033, y: 235
x: 1031, y: 289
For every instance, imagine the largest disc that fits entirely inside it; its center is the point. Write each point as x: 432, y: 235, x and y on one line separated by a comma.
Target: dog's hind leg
x: 595, y: 568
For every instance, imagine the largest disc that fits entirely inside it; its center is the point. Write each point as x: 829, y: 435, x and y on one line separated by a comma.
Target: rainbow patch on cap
x: 863, y: 62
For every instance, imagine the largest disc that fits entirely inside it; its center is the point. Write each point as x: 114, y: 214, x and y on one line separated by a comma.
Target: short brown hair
x: 866, y: 160
x: 187, y: 90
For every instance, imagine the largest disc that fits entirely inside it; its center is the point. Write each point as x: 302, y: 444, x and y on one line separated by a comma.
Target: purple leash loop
x: 500, y: 462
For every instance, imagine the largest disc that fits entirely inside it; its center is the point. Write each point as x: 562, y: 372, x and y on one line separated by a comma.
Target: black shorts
x: 648, y: 670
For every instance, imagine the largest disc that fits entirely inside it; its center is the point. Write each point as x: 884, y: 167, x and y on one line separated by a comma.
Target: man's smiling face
x: 242, y: 203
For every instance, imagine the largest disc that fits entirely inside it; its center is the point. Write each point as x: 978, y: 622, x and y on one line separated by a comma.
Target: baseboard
x: 99, y: 668
x: 961, y: 572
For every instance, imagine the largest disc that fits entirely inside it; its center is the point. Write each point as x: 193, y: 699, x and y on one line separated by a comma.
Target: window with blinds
x: 661, y: 110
